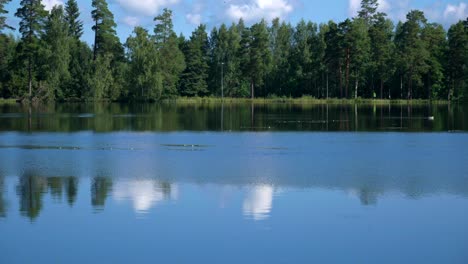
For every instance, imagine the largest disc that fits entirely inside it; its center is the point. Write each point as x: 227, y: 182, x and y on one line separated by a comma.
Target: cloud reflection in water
x: 144, y: 194
x: 258, y: 202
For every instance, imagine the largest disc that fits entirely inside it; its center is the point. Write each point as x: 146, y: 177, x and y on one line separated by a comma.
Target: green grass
x: 7, y: 101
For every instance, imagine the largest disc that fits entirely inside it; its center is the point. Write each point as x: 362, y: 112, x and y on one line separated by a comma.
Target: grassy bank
x: 302, y: 100
x: 7, y: 101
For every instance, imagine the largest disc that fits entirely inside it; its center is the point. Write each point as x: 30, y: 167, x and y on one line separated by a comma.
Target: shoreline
x: 306, y: 101
x: 293, y: 101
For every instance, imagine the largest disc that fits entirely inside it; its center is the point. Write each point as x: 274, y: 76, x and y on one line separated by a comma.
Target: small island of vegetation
x: 366, y: 57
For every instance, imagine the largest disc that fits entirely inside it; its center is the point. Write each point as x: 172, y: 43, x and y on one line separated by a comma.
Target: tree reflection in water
x: 30, y: 190
x: 100, y: 188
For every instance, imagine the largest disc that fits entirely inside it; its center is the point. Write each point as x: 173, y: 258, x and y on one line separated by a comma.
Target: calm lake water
x: 233, y: 184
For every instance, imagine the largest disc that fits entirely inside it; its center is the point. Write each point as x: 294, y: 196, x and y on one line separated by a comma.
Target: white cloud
x: 131, y: 21
x: 194, y: 19
x: 455, y: 13
x: 195, y: 16
x: 257, y: 9
x: 146, y: 7
x: 51, y: 3
x: 354, y: 6
x: 435, y: 11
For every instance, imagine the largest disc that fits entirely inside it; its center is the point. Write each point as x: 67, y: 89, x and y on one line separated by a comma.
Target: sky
x: 190, y: 13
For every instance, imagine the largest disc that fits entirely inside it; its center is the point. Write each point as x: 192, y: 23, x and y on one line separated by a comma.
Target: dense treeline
x: 366, y: 56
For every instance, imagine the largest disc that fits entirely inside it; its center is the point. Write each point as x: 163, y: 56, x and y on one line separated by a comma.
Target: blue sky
x: 189, y: 13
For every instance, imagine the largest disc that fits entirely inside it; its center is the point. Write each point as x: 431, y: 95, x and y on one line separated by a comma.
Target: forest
x: 367, y: 56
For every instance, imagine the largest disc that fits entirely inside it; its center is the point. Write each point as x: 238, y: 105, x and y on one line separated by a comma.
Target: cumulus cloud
x: 435, y: 11
x: 257, y: 9
x: 146, y: 7
x: 455, y: 13
x: 51, y: 3
x: 131, y: 21
x: 195, y: 16
x: 194, y: 19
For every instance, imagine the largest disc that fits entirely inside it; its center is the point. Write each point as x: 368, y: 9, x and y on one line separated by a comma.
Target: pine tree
x: 280, y: 42
x: 171, y: 58
x: 359, y: 53
x: 457, y: 68
x: 368, y: 11
x: 413, y: 50
x: 164, y: 27
x: 333, y: 59
x: 32, y: 15
x: 3, y: 23
x: 232, y: 74
x: 194, y: 78
x: 105, y: 36
x: 435, y: 37
x: 57, y: 57
x: 255, y: 55
x: 301, y: 58
x: 72, y: 15
x: 382, y: 50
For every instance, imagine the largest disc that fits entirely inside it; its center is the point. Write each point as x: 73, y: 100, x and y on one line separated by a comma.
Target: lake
x: 233, y: 183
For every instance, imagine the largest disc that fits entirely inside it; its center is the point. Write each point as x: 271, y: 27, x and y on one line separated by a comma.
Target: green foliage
x: 255, y: 55
x: 72, y: 15
x: 194, y: 78
x: 368, y: 12
x: 355, y: 58
x: 144, y: 78
x: 457, y: 68
x: 3, y: 23
x: 105, y: 36
x: 382, y: 51
x: 57, y: 55
x: 32, y: 15
x: 81, y: 57
x: 171, y: 58
x: 281, y: 49
x: 413, y: 51
x: 300, y: 58
x: 359, y: 54
x: 7, y: 55
x: 101, y: 80
x: 435, y: 37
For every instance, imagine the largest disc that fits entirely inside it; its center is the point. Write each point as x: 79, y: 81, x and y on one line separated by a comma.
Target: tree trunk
x: 356, y: 88
x: 348, y: 61
x: 327, y: 85
x: 381, y: 89
x: 30, y: 76
x: 252, y: 90
x: 401, y: 86
x: 429, y: 88
x: 340, y: 72
x: 95, y: 41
